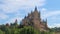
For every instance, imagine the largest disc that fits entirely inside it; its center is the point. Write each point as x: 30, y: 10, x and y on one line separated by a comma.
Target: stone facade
x: 34, y: 19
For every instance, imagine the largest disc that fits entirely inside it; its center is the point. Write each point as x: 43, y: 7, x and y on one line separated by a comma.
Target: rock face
x: 34, y: 19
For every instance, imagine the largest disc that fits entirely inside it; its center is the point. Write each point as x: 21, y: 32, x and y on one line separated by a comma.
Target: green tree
x: 28, y: 30
x: 1, y: 32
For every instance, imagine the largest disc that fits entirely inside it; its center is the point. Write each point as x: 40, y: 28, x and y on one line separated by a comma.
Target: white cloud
x: 53, y: 18
x: 3, y: 16
x: 12, y: 20
x: 11, y: 6
x: 54, y: 25
x: 51, y: 13
x: 43, y: 9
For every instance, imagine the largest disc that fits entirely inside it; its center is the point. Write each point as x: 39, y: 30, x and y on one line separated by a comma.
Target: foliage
x: 14, y: 29
x: 1, y: 32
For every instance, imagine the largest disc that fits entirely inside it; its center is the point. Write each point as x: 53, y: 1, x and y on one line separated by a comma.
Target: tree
x: 28, y: 30
x: 1, y: 32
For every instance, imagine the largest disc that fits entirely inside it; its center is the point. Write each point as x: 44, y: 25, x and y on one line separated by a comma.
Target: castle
x: 34, y: 19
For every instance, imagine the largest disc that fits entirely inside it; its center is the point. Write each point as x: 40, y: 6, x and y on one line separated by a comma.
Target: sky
x: 10, y: 10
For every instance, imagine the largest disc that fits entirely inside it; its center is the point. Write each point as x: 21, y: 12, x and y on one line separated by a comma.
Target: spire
x: 46, y: 20
x: 16, y: 21
x: 35, y: 8
x: 31, y: 11
x: 46, y: 23
x: 39, y: 14
x: 25, y: 17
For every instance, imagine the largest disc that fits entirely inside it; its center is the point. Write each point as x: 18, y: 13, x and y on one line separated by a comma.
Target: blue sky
x: 17, y: 9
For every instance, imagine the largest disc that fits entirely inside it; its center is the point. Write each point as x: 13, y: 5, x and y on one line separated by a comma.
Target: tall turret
x: 46, y: 22
x: 36, y: 13
x: 16, y: 22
